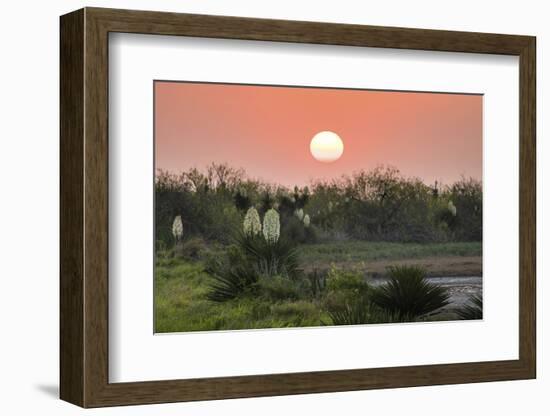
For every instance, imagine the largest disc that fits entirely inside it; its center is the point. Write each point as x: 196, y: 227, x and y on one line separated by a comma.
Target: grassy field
x: 181, y: 285
x: 181, y: 304
x: 443, y: 259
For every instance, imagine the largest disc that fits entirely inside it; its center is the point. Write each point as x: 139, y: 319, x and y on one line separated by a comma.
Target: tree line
x: 380, y: 204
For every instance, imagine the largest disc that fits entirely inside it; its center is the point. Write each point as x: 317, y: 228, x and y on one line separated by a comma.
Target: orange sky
x: 267, y: 130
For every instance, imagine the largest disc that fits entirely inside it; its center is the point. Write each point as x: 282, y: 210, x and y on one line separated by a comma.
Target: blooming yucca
x: 252, y: 225
x: 307, y: 221
x: 177, y: 228
x: 299, y: 214
x: 452, y: 208
x: 272, y: 226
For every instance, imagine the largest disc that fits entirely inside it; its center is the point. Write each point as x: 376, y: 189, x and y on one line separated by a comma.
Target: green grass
x: 359, y: 251
x: 181, y: 304
x: 182, y: 287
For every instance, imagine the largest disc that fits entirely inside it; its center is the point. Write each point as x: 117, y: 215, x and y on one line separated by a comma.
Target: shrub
x: 279, y: 288
x: 161, y: 250
x: 194, y: 248
x: 297, y: 232
x: 360, y: 311
x: 473, y: 309
x: 352, y: 312
x: 231, y: 282
x: 165, y: 237
x: 377, y: 205
x: 342, y: 280
x: 408, y: 294
x: 345, y: 291
x: 317, y: 282
x: 294, y: 230
x: 270, y: 258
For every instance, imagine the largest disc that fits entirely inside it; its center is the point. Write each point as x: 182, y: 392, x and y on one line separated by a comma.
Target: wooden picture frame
x: 84, y: 207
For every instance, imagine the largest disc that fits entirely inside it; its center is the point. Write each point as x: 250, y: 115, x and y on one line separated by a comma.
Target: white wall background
x: 29, y: 159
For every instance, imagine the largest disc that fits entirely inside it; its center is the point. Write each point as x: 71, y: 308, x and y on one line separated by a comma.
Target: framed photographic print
x: 255, y: 207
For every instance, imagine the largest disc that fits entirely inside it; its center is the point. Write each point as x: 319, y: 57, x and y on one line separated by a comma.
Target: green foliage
x: 203, y: 200
x: 317, y: 282
x: 254, y: 264
x: 277, y: 288
x: 242, y: 200
x: 376, y: 205
x: 345, y: 280
x: 473, y: 308
x: 295, y: 231
x: 231, y: 282
x: 270, y: 258
x: 182, y: 304
x: 383, y: 205
x: 209, y: 279
x: 189, y: 297
x: 354, y: 313
x: 344, y: 289
x: 467, y: 196
x: 361, y: 311
x: 363, y: 251
x: 194, y: 248
x: 348, y: 301
x: 408, y: 294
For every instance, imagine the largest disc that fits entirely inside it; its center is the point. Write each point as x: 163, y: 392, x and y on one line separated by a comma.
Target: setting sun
x: 326, y: 146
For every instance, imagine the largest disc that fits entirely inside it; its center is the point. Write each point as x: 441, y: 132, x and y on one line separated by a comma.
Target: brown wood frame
x: 84, y: 207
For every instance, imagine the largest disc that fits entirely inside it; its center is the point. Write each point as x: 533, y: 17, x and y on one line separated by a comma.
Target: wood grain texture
x: 527, y: 208
x: 71, y: 208
x: 84, y: 207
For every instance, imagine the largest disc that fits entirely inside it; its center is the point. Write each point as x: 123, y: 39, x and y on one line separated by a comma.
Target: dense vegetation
x: 185, y: 301
x: 234, y: 252
x: 379, y: 205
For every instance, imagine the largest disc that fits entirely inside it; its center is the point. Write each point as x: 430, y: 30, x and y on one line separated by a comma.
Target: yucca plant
x: 252, y: 225
x: 317, y: 282
x: 270, y: 258
x: 356, y: 312
x: 408, y: 295
x: 362, y: 311
x: 231, y: 282
x: 177, y: 228
x: 272, y: 226
x: 473, y: 309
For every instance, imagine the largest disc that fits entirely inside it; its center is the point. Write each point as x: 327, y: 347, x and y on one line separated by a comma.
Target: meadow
x: 237, y: 253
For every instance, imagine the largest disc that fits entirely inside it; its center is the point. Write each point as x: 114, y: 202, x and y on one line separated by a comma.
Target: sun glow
x: 326, y: 146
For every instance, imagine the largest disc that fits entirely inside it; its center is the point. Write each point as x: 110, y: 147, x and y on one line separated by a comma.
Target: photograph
x: 309, y: 206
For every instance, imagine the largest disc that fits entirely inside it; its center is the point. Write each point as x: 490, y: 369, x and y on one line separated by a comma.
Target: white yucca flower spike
x: 299, y: 214
x: 272, y: 226
x: 177, y: 228
x: 252, y: 225
x: 307, y: 221
x: 452, y: 208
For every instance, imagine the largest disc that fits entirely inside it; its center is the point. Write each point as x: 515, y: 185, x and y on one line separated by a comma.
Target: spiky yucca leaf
x: 271, y: 258
x: 362, y: 311
x: 231, y: 282
x: 409, y: 294
x: 473, y: 309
